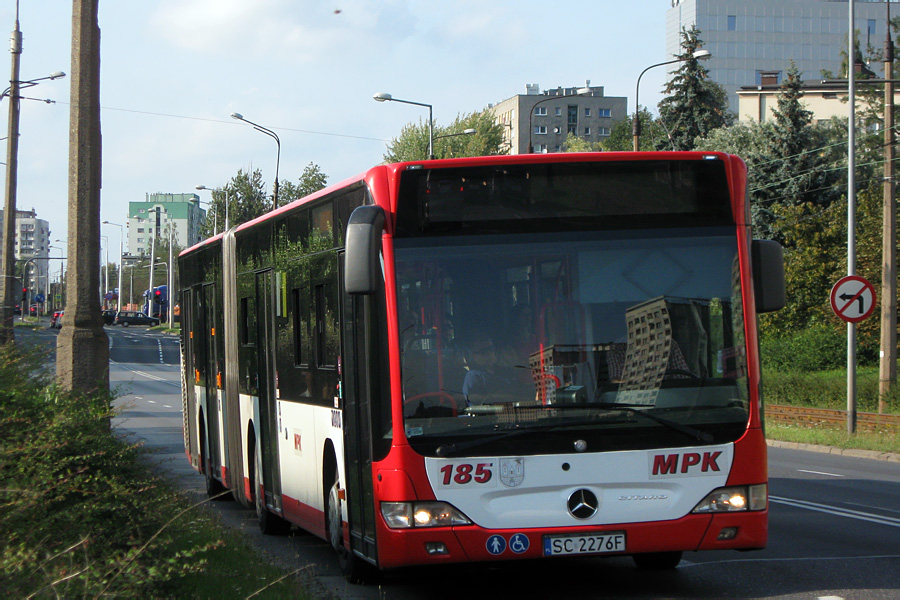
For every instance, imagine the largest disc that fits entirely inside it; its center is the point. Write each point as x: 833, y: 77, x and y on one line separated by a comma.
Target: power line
x: 171, y: 116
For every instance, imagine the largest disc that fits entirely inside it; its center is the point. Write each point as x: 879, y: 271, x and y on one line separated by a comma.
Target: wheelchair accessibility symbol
x: 518, y: 543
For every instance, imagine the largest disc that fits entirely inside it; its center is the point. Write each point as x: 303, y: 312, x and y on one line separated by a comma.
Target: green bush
x: 825, y: 389
x: 80, y: 516
x: 818, y: 348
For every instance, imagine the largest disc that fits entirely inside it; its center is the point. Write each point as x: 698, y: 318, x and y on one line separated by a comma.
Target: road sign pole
x: 851, y: 215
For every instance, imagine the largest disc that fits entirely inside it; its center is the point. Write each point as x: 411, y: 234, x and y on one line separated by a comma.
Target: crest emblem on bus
x: 512, y: 471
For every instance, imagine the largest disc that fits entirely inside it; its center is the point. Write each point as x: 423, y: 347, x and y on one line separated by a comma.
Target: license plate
x: 595, y: 543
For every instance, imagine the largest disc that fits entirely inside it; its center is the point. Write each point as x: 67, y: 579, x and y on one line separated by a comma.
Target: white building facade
x: 753, y: 42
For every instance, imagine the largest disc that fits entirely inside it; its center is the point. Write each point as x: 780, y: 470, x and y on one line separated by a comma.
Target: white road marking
x: 841, y: 512
x: 819, y: 473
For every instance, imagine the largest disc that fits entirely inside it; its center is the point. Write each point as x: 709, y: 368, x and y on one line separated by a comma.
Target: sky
x: 172, y: 71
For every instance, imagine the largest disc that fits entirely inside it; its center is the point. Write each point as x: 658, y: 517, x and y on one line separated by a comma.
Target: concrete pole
x: 8, y: 260
x: 887, y: 377
x: 82, y: 349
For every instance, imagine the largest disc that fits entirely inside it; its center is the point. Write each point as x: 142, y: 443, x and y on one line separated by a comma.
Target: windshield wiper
x: 453, y: 447
x: 642, y: 410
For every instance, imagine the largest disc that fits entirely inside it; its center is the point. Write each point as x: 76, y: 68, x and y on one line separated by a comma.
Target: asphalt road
x: 833, y: 530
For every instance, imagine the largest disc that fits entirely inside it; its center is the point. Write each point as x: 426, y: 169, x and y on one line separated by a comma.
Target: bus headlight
x: 404, y: 515
x: 733, y: 499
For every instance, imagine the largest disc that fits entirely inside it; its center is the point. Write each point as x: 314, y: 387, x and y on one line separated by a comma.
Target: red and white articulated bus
x: 487, y: 359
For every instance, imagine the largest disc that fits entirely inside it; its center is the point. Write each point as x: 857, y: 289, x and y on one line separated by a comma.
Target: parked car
x: 109, y: 317
x: 54, y: 319
x: 127, y: 317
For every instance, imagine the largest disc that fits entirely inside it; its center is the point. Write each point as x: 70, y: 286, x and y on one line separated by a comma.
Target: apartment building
x: 753, y: 42
x: 540, y: 121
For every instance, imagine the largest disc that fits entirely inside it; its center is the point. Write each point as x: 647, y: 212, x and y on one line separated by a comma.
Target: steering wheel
x: 443, y: 399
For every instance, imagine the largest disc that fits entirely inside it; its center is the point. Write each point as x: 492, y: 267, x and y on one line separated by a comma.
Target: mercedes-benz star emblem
x: 583, y: 504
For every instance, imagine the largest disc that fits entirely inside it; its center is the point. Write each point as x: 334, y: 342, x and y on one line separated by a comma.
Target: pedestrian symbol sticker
x: 496, y: 545
x: 853, y: 299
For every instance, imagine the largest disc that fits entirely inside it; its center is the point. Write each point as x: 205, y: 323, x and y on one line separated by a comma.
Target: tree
x: 312, y: 180
x: 694, y: 104
x: 575, y: 143
x: 247, y: 200
x: 621, y: 139
x: 450, y: 141
x: 801, y: 168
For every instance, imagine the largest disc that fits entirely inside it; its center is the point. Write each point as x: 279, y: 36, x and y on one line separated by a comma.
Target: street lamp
x: 274, y: 136
x: 119, y: 288
x: 7, y: 256
x: 578, y: 92
x: 636, y: 123
x: 385, y: 97
x: 216, y: 216
x: 105, y: 269
x: 461, y: 133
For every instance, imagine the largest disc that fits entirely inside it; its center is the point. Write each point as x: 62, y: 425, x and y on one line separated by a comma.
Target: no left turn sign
x: 853, y: 299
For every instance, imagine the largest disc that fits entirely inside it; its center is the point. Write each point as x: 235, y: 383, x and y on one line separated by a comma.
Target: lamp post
x: 62, y: 277
x: 105, y: 269
x: 119, y: 288
x: 227, y: 201
x: 7, y: 260
x: 274, y: 136
x: 385, y: 97
x: 636, y: 123
x: 461, y: 133
x: 578, y: 92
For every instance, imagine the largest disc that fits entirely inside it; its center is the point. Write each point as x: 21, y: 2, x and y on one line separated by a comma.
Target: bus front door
x: 359, y: 376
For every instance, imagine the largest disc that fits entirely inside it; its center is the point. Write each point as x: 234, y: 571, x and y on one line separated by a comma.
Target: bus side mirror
x: 768, y: 275
x: 362, y: 260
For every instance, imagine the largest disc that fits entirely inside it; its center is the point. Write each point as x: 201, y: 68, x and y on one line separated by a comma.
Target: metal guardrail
x: 865, y: 421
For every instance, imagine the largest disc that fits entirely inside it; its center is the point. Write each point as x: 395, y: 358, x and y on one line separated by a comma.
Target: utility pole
x: 888, y: 364
x: 8, y: 261
x: 82, y: 347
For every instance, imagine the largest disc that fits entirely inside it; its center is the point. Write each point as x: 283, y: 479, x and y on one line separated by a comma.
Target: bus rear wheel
x: 657, y: 561
x: 355, y: 569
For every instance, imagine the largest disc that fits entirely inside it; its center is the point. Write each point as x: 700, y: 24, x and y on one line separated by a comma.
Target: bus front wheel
x: 355, y: 569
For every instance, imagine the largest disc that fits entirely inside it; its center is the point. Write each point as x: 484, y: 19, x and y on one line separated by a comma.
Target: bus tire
x: 269, y: 522
x: 214, y: 487
x: 355, y: 570
x: 657, y: 561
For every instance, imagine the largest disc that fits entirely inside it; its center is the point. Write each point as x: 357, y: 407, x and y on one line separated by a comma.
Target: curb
x: 851, y: 452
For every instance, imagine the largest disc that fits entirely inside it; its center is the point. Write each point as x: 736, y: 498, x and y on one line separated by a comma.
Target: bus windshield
x: 614, y: 339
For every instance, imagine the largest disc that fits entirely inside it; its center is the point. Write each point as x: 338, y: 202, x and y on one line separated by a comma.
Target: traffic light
x: 159, y: 298
x: 24, y: 294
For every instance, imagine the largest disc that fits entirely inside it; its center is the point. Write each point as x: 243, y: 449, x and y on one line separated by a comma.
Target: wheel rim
x: 335, y: 523
x: 257, y: 501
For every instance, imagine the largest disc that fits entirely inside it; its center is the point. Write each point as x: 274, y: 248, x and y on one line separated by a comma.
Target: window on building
x: 871, y: 26
x: 732, y: 23
x: 587, y: 112
x: 604, y: 112
x: 559, y: 111
x: 540, y: 148
x: 540, y: 111
x: 587, y: 131
x: 603, y: 131
x: 540, y: 129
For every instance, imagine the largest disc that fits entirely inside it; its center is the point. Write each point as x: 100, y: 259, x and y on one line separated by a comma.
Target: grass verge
x: 82, y: 516
x: 828, y: 389
x: 885, y: 441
